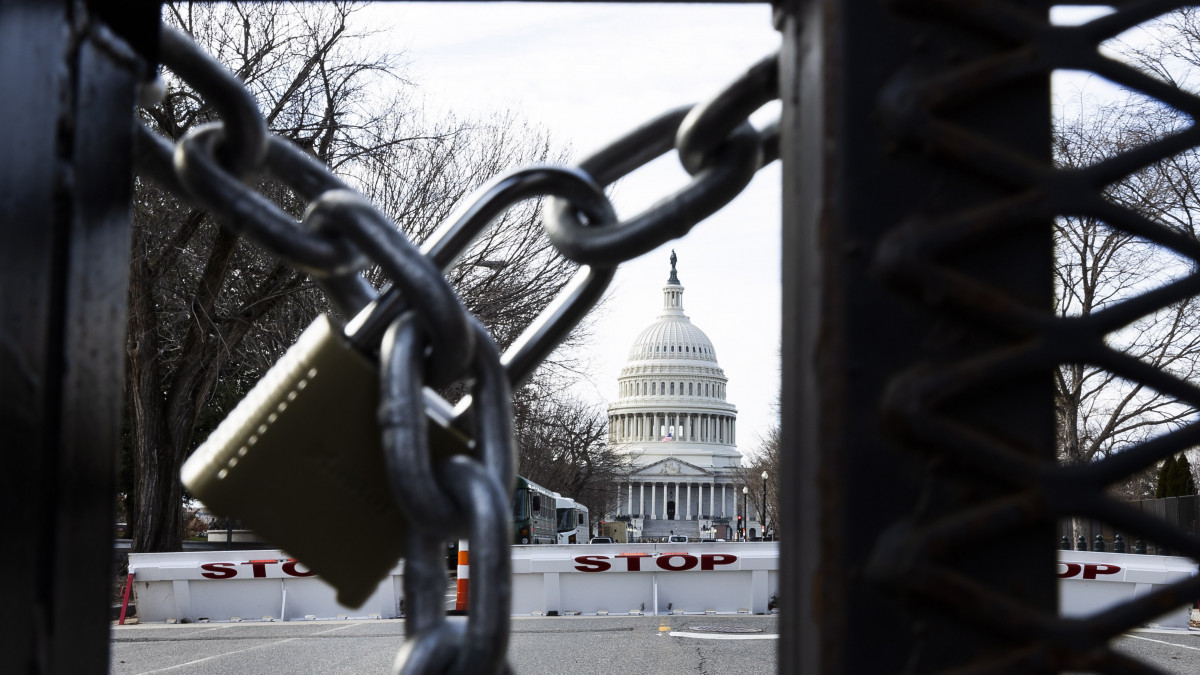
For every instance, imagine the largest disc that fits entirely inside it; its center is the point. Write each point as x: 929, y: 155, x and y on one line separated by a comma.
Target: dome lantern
x: 673, y: 293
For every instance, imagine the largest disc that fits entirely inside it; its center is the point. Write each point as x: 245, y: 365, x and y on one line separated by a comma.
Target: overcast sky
x: 588, y: 74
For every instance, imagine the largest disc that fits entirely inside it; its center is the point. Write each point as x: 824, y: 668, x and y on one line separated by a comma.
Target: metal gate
x: 919, y: 341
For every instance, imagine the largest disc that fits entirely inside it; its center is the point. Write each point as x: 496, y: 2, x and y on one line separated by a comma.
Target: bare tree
x: 766, y: 456
x: 1098, y: 266
x: 209, y: 315
x: 563, y: 446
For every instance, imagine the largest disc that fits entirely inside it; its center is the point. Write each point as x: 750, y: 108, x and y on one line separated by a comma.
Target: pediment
x: 671, y: 466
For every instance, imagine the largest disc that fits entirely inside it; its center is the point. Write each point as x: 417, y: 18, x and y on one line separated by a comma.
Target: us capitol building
x: 673, y: 422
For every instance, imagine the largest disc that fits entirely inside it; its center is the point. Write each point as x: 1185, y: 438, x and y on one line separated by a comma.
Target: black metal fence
x: 1086, y: 534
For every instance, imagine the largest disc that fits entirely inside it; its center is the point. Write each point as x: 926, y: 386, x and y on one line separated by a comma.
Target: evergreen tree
x: 1175, y: 478
x: 1165, y: 474
x: 1185, y: 482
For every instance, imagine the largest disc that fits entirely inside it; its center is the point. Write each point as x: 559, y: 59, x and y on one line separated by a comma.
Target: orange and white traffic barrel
x: 464, y: 578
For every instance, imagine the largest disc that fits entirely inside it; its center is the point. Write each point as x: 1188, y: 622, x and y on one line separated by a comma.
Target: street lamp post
x: 763, y: 522
x: 745, y: 510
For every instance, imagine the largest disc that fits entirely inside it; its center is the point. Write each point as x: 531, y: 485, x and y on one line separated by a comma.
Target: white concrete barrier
x: 645, y: 578
x: 1090, y: 582
x: 245, y: 586
x: 582, y: 578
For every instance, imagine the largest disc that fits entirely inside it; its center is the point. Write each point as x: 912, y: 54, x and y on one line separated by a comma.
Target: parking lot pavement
x: 580, y: 645
x: 583, y: 645
x: 1172, y: 651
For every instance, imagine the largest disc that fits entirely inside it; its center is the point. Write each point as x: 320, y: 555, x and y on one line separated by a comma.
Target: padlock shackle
x: 555, y: 322
x: 446, y: 245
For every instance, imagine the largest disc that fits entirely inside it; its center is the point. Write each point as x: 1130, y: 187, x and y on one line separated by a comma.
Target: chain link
x: 716, y: 145
x: 707, y: 125
x: 243, y: 143
x: 423, y: 334
x: 467, y: 223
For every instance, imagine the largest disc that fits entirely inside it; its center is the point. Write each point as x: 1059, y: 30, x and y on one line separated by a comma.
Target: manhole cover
x: 734, y: 630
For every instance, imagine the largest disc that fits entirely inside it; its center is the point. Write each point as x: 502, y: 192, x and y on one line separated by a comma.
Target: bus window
x: 537, y: 503
x: 521, y: 504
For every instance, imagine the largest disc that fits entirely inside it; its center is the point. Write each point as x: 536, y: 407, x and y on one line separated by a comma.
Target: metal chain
x: 716, y: 145
x: 423, y: 334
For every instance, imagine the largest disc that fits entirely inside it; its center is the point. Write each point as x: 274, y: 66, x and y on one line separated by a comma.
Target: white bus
x: 573, y: 524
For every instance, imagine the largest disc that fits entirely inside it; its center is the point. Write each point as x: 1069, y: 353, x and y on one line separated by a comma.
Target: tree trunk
x: 165, y: 423
x: 154, y: 512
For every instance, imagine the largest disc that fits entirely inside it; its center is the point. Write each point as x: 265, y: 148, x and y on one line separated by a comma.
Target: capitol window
x: 672, y: 388
x: 689, y: 388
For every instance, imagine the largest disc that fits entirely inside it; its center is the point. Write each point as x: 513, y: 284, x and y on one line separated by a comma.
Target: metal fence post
x: 880, y: 351
x: 64, y: 218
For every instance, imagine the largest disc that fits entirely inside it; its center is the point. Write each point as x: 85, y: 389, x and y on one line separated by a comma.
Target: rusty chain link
x: 423, y: 334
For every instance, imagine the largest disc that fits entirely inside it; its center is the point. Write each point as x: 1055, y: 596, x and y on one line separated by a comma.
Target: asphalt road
x: 578, y: 645
x: 1176, y: 652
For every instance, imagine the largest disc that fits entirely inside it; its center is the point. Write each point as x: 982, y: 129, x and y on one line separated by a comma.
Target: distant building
x: 672, y: 420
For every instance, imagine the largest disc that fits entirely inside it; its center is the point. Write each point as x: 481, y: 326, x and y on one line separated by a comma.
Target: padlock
x: 300, y: 461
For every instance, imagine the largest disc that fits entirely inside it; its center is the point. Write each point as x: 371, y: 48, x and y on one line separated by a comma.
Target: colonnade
x: 682, y: 426
x: 650, y: 499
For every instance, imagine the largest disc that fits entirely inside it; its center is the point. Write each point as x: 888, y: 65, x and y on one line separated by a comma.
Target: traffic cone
x: 464, y: 578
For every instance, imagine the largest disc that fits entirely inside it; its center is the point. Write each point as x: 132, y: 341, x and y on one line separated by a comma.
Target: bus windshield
x: 566, y: 520
x: 521, y: 504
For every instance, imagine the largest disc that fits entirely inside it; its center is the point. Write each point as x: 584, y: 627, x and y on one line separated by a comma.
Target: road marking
x: 722, y: 636
x: 328, y: 631
x: 1163, y: 642
x: 222, y: 626
x: 238, y: 651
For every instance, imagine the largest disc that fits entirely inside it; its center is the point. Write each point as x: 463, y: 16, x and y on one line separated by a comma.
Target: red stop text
x: 671, y: 562
x: 1070, y: 570
x: 258, y: 569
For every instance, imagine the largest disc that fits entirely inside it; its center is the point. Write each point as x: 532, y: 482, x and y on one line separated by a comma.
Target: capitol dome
x: 673, y: 337
x: 673, y: 422
x: 673, y: 357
